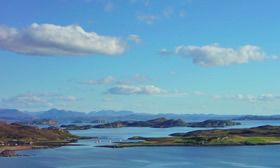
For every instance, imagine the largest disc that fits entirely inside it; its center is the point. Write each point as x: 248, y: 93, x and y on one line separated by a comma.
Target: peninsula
x: 20, y: 137
x: 263, y: 135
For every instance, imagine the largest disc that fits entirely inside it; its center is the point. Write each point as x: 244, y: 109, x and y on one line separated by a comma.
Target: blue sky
x: 152, y: 56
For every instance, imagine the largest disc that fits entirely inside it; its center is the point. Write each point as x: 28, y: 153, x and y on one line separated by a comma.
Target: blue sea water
x: 90, y: 156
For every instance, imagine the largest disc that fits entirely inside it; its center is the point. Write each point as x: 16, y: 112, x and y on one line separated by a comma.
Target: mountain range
x: 14, y: 115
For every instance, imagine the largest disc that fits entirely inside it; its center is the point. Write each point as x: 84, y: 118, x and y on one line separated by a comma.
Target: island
x: 15, y: 137
x: 156, y: 123
x: 263, y: 135
x: 40, y: 122
x: 213, y: 124
x: 76, y: 127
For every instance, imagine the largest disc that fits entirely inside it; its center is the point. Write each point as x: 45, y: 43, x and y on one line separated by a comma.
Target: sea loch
x: 88, y: 155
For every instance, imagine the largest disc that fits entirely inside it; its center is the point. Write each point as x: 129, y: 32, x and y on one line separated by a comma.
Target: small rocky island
x: 156, y: 123
x: 15, y: 137
x: 263, y: 135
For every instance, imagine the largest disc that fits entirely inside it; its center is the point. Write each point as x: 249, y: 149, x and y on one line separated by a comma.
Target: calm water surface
x: 88, y: 155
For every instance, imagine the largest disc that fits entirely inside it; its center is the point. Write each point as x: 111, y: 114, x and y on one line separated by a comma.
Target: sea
x: 86, y: 154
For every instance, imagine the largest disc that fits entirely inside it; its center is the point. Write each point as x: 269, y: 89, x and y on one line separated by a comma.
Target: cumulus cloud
x: 54, y: 40
x: 107, y: 80
x: 214, y: 55
x: 148, y: 19
x: 134, y: 37
x: 129, y: 90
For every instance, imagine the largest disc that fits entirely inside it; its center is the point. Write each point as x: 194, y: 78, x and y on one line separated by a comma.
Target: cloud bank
x: 54, y: 40
x: 214, y: 55
x: 129, y: 90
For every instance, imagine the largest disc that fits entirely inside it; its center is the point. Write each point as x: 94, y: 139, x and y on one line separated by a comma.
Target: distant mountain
x: 256, y: 117
x: 62, y: 114
x: 33, y: 113
x: 110, y: 113
x: 13, y: 115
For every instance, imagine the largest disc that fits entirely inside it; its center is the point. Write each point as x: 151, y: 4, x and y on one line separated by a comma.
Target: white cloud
x: 31, y: 100
x: 262, y: 98
x: 137, y: 78
x: 26, y: 100
x: 165, y: 51
x: 108, y: 7
x: 241, y: 97
x: 107, y: 80
x: 200, y: 93
x: 214, y: 55
x: 148, y: 19
x: 175, y: 93
x: 168, y: 12
x: 54, y: 40
x: 69, y: 98
x: 134, y: 37
x: 129, y: 90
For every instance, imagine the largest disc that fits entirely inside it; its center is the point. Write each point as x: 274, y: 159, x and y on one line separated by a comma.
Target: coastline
x: 9, y: 151
x: 186, y: 145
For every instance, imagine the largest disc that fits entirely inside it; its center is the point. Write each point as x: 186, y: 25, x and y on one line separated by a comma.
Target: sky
x: 148, y: 56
